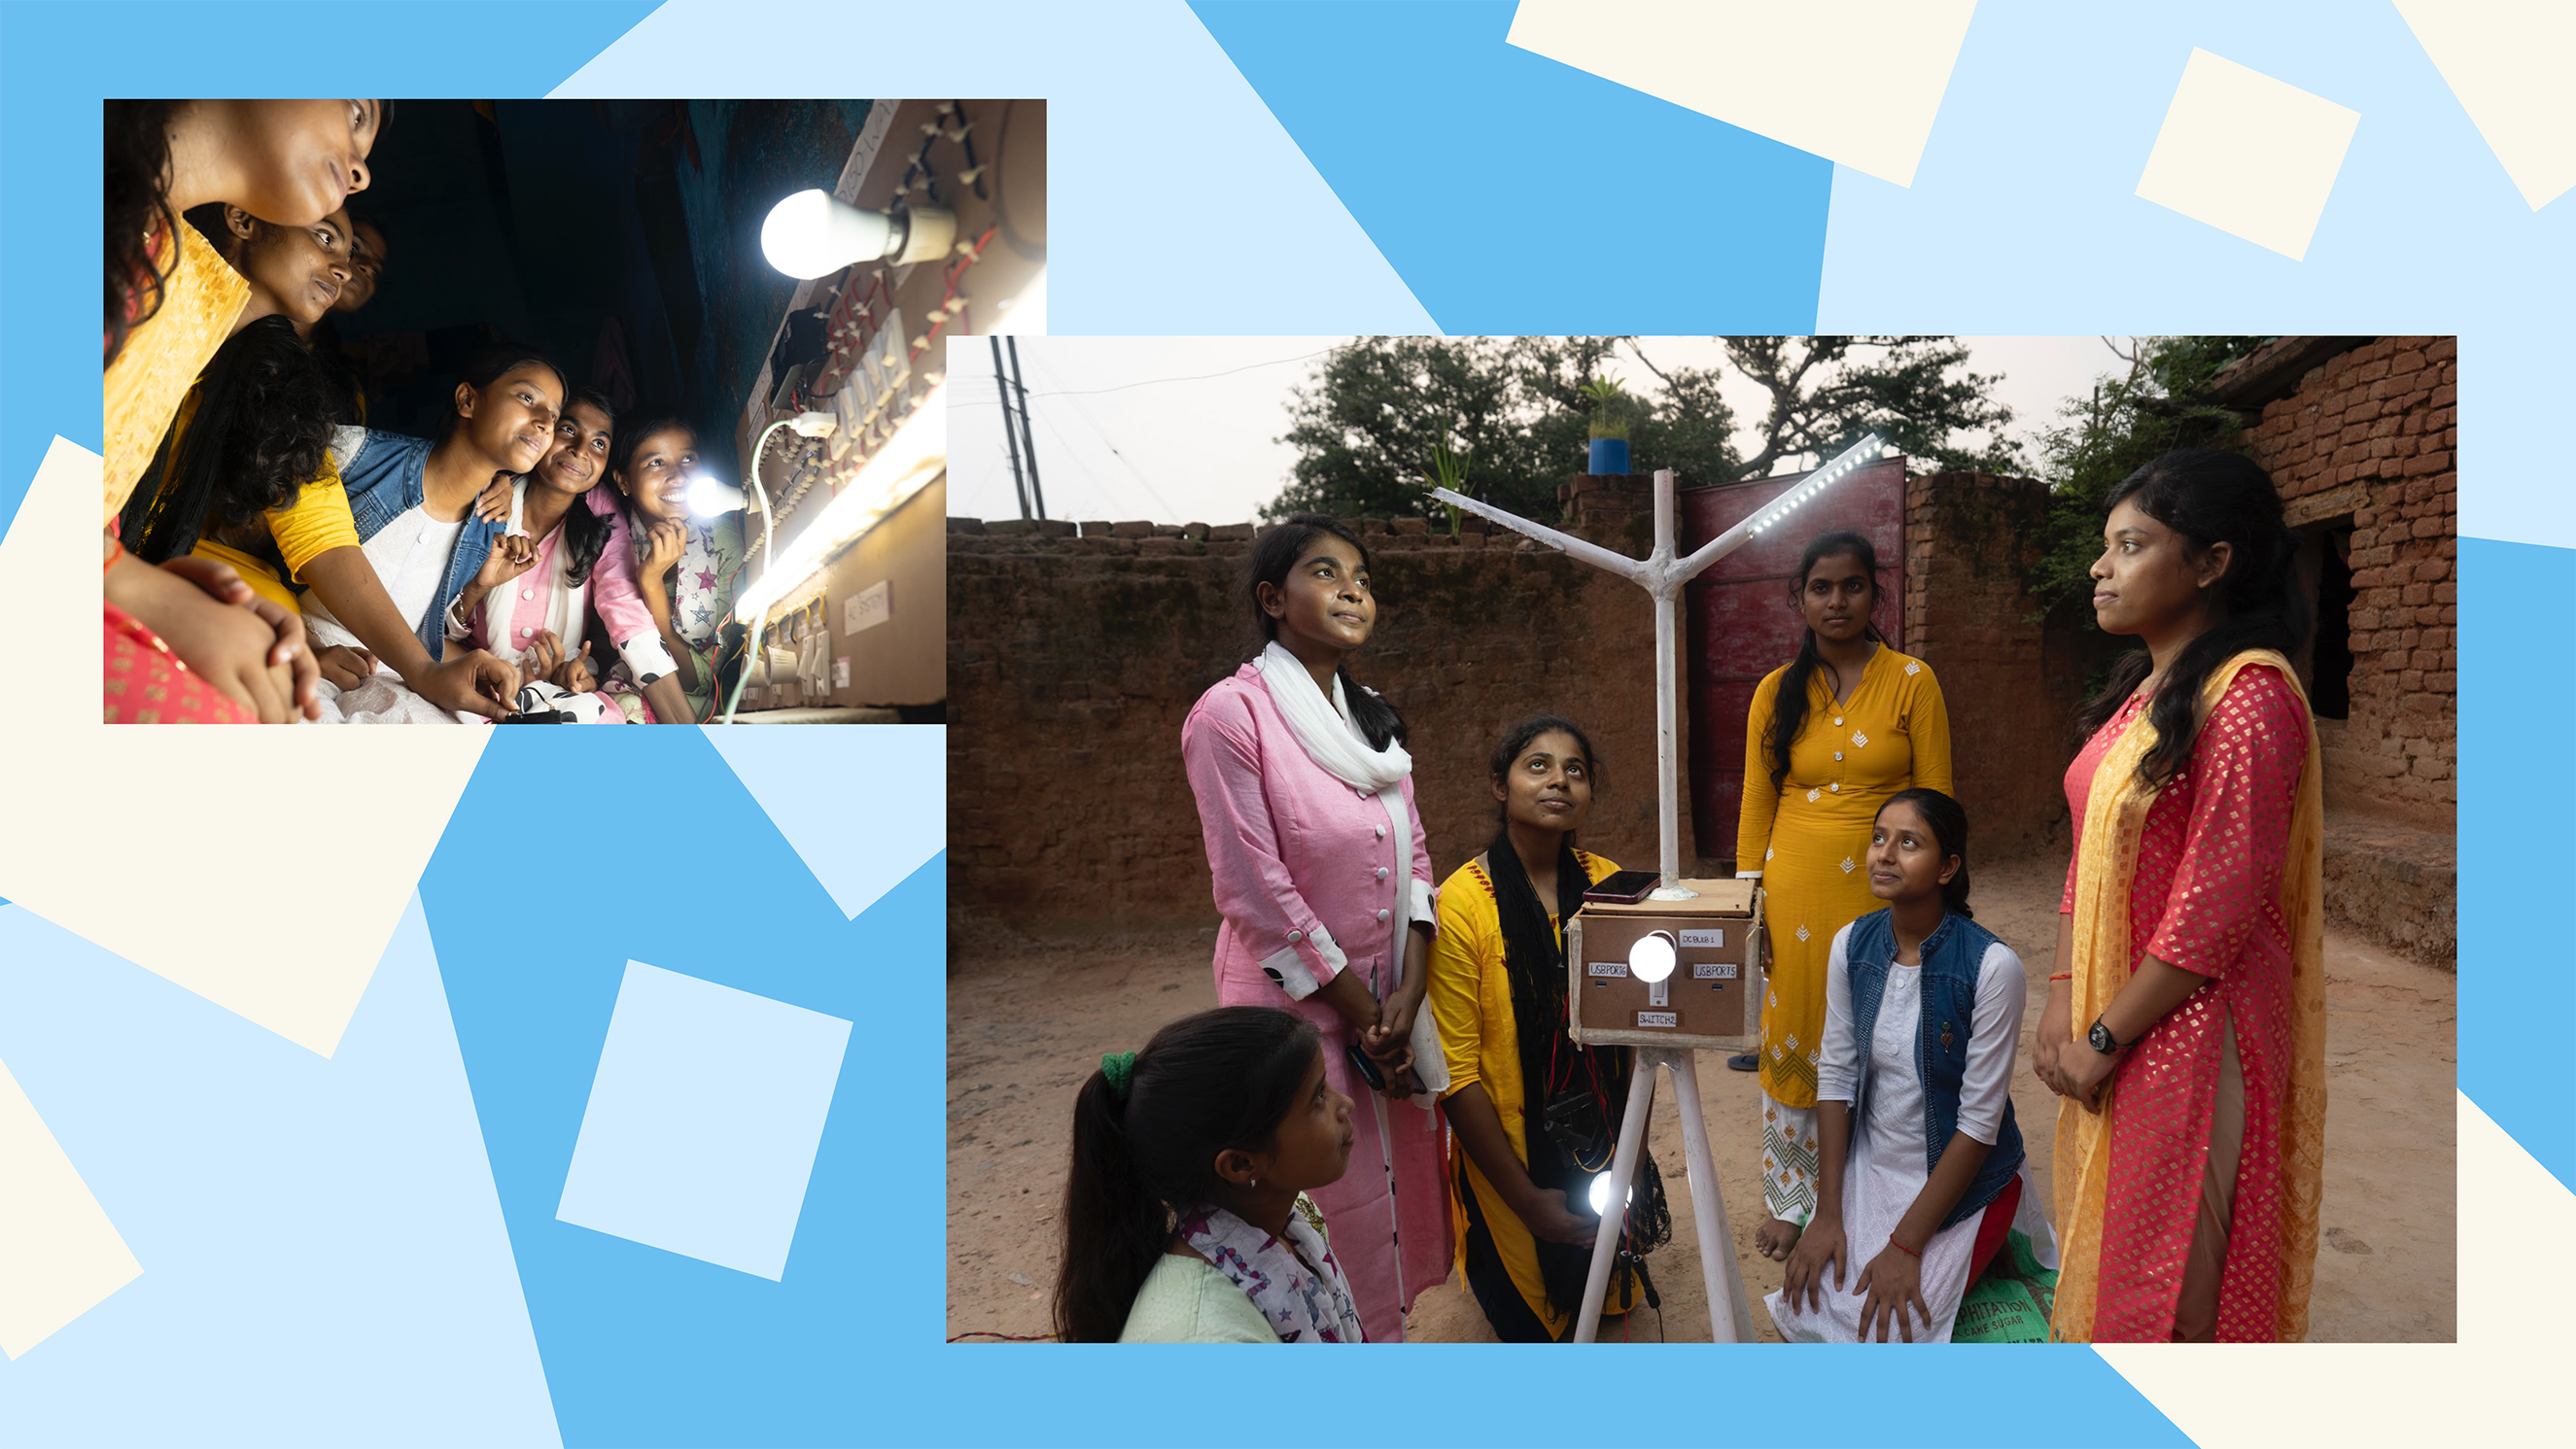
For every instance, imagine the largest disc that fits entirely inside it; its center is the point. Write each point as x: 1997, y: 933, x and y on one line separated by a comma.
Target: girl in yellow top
x: 247, y: 502
x: 170, y: 302
x: 1832, y: 736
x: 1520, y: 1198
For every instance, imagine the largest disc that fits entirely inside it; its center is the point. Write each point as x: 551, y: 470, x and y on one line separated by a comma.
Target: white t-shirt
x: 410, y: 555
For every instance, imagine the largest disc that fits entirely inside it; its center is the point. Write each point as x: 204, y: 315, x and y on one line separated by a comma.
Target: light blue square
x: 703, y: 1120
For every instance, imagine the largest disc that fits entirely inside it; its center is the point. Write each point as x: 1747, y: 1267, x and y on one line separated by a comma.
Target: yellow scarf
x: 2115, y: 816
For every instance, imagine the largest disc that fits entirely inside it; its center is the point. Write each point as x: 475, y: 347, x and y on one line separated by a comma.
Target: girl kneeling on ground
x: 1186, y: 1218
x: 1921, y: 1162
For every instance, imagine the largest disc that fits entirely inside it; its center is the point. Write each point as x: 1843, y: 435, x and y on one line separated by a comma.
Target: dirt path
x: 1029, y: 1018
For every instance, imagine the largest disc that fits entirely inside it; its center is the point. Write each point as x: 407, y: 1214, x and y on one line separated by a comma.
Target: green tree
x: 1916, y: 392
x: 1366, y: 424
x: 2159, y: 404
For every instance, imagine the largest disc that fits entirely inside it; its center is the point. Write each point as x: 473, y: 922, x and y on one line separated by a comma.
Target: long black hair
x: 1221, y: 1079
x: 1949, y: 822
x: 1552, y: 1067
x: 137, y: 194
x: 1274, y: 552
x: 487, y: 367
x: 586, y: 532
x: 1789, y: 708
x: 2210, y: 497
x: 261, y: 431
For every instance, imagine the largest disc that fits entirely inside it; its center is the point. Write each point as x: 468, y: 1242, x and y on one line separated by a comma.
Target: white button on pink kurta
x: 1303, y: 873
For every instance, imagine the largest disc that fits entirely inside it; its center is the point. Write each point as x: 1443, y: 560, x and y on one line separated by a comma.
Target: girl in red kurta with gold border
x: 2188, y: 1032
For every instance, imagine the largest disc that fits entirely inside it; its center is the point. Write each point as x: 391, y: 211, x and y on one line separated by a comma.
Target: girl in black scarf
x: 1536, y: 1114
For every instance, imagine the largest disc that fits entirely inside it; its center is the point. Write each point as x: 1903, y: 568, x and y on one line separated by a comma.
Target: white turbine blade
x: 1591, y: 553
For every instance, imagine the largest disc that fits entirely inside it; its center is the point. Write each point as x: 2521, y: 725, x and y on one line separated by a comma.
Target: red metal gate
x: 1741, y: 624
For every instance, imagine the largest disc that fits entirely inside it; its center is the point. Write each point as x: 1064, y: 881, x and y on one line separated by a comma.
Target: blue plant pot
x: 1609, y: 455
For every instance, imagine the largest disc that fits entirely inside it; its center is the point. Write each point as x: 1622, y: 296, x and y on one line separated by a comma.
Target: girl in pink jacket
x: 1305, y: 799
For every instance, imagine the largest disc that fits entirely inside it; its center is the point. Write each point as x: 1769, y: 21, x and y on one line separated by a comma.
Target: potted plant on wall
x: 1448, y: 470
x: 1611, y: 407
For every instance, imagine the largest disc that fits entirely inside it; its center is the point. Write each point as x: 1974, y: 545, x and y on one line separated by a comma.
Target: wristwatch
x: 2101, y: 1039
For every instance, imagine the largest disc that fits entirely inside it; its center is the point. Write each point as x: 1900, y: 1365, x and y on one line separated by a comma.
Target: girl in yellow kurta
x: 1862, y: 723
x: 170, y: 302
x: 1522, y: 1224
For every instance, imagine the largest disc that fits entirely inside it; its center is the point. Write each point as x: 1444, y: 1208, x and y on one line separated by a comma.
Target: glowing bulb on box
x: 1652, y: 957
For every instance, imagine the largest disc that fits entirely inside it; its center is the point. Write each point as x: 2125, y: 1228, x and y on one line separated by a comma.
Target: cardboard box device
x: 1713, y: 999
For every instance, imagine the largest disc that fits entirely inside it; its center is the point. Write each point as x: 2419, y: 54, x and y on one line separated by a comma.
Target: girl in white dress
x: 1922, y: 1164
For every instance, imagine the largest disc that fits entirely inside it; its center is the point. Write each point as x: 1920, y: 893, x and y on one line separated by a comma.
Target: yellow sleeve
x: 315, y: 523
x: 1761, y: 799
x: 1458, y: 954
x: 1928, y: 727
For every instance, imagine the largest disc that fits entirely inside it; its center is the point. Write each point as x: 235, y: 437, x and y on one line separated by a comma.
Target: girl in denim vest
x: 1921, y: 1161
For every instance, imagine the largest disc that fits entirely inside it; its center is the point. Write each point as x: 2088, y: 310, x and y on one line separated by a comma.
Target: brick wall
x: 1072, y: 662
x: 2369, y: 437
x: 2012, y: 682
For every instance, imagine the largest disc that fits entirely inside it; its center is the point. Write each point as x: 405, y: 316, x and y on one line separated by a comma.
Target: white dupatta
x: 1334, y: 742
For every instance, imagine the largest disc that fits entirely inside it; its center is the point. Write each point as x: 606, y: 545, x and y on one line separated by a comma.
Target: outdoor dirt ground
x: 1029, y: 1018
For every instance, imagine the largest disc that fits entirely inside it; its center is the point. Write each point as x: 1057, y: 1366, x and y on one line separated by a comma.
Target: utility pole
x: 1010, y: 434
x: 1028, y: 440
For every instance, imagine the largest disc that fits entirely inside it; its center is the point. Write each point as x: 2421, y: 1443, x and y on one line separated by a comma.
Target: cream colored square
x: 59, y: 1255
x: 262, y: 868
x: 2509, y: 61
x: 2249, y: 155
x: 1857, y: 82
x: 2503, y: 1380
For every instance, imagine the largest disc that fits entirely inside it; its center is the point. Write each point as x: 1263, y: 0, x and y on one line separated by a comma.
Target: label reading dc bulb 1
x: 1712, y: 938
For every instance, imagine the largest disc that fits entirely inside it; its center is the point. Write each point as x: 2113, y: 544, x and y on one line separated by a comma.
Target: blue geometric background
x: 364, y: 1250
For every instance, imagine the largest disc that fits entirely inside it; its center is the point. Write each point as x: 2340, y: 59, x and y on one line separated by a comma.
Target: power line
x: 1155, y: 381
x: 1094, y: 425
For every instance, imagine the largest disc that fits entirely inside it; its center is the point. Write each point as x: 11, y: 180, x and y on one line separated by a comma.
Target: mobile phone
x: 1367, y: 1069
x: 1623, y: 887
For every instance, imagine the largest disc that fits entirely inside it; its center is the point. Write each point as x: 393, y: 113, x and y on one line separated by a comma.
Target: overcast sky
x: 1182, y: 429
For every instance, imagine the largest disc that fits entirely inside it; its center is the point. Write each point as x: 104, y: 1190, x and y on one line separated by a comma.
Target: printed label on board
x: 1712, y: 938
x: 1713, y: 971
x: 1659, y: 1018
x: 1609, y: 968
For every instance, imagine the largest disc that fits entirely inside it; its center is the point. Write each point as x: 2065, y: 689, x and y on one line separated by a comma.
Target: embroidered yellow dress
x: 1809, y: 839
x: 162, y: 358
x: 1471, y: 998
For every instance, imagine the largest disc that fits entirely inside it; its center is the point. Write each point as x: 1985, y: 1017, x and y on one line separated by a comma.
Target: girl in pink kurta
x: 1324, y: 880
x: 529, y: 602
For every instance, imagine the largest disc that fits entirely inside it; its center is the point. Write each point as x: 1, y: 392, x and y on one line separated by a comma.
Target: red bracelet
x: 116, y: 550
x: 2063, y: 976
x: 1909, y: 1252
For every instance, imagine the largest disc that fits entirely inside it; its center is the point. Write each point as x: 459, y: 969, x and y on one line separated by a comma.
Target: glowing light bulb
x: 1652, y: 957
x: 1599, y: 1195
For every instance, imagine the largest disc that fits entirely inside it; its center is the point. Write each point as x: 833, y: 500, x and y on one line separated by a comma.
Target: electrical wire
x: 1155, y: 381
x: 1094, y: 425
